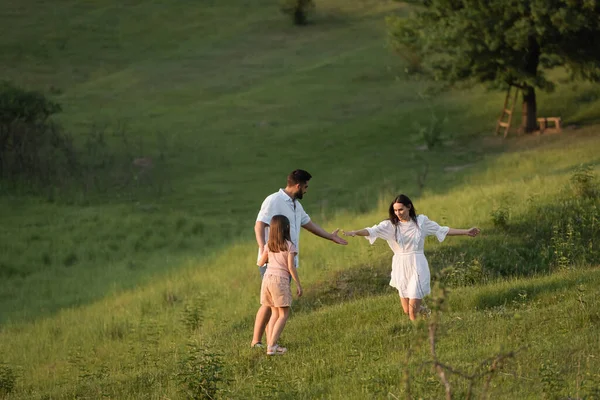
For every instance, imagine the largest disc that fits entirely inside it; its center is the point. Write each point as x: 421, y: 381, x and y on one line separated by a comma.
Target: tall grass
x: 131, y: 296
x: 349, y: 320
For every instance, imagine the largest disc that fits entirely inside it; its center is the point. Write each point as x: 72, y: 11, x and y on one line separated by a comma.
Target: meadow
x: 149, y: 291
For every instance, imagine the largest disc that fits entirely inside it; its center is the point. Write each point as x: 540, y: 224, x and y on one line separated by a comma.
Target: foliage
x: 500, y: 216
x: 201, y: 372
x: 31, y: 147
x: 551, y: 378
x: 40, y: 156
x: 584, y: 182
x: 503, y: 43
x: 193, y: 314
x: 298, y: 10
x: 18, y: 104
x: 462, y: 273
x: 79, y: 275
x: 558, y: 235
x: 432, y: 132
x: 8, y: 379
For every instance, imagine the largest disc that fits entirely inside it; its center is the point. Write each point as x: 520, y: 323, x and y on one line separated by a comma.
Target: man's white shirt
x: 279, y: 203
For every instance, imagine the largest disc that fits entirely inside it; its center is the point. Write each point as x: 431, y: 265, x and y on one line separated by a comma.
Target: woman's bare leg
x: 414, y: 305
x: 404, y: 301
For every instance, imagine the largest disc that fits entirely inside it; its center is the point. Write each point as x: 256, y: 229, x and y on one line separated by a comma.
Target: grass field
x: 126, y: 294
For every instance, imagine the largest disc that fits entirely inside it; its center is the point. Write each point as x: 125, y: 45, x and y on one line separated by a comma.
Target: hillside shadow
x: 346, y: 285
x: 527, y: 292
x: 355, y: 189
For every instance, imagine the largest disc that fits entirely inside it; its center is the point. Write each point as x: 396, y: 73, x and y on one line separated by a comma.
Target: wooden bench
x: 544, y: 123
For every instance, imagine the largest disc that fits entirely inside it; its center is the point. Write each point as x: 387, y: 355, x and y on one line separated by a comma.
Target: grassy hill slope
x: 102, y: 293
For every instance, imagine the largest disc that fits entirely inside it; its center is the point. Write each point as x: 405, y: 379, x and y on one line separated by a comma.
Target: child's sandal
x: 276, y: 350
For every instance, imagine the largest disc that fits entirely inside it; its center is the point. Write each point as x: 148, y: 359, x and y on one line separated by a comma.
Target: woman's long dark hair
x: 404, y: 200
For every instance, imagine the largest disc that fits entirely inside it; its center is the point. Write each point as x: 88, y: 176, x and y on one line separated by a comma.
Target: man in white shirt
x: 285, y: 202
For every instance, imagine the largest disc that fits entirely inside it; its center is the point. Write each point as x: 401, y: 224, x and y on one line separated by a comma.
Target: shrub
x: 8, y: 379
x: 37, y: 155
x: 432, y: 132
x: 584, y: 182
x: 298, y: 10
x: 407, y: 48
x: 463, y: 274
x: 193, y: 314
x: 500, y: 217
x: 200, y: 372
x: 31, y: 146
x: 18, y: 104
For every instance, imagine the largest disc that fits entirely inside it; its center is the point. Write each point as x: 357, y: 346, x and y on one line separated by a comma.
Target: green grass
x: 98, y: 290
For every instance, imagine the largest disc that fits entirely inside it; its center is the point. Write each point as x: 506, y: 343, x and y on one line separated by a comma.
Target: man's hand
x: 336, y: 239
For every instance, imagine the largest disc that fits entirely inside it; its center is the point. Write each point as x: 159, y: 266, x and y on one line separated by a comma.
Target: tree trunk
x: 532, y: 61
x: 529, y: 116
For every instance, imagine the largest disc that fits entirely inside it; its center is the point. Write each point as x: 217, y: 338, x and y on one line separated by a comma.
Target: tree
x: 501, y: 42
x: 298, y: 10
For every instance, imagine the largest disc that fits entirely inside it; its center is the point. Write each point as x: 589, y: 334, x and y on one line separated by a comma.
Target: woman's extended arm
x: 360, y: 232
x: 463, y: 232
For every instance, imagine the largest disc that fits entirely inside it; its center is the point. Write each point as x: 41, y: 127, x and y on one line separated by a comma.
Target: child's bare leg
x: 272, y: 321
x: 414, y: 305
x: 260, y: 323
x: 404, y: 301
x: 283, y: 314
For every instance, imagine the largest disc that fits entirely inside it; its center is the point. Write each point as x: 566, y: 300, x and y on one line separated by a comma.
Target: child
x: 405, y: 233
x: 275, y: 291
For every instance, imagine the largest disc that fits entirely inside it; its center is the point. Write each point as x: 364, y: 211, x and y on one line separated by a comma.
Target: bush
x: 18, y: 104
x: 39, y: 156
x: 500, y: 217
x: 561, y: 233
x: 31, y: 147
x: 408, y: 47
x: 463, y: 274
x: 298, y: 10
x: 200, y: 373
x: 7, y: 379
x: 584, y: 182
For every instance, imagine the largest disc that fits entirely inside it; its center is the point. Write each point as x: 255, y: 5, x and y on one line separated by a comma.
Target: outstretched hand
x: 473, y: 232
x: 336, y: 239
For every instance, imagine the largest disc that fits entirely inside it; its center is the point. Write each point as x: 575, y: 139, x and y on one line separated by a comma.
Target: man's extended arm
x: 318, y: 231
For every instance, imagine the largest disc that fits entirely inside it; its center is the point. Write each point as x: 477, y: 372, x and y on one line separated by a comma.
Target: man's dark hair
x: 298, y: 176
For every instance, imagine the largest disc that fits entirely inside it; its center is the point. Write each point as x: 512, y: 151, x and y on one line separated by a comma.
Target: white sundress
x: 410, y: 269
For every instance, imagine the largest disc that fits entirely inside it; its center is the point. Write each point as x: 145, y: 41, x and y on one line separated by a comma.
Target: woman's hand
x: 350, y: 233
x: 299, y: 290
x: 336, y: 239
x: 473, y: 232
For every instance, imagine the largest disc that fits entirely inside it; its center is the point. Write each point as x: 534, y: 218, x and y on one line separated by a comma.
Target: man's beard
x: 299, y: 195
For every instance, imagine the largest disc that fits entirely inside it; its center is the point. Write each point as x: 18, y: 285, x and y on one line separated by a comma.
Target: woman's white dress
x: 410, y: 270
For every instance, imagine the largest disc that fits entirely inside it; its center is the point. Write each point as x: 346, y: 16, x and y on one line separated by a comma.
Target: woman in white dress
x: 405, y: 233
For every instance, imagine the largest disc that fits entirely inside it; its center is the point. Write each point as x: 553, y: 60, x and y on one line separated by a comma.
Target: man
x: 285, y: 202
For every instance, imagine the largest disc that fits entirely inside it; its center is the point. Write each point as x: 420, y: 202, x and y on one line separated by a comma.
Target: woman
x: 405, y: 233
